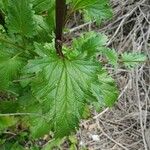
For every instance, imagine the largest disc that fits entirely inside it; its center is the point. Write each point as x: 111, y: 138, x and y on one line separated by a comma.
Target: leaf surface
x: 42, y: 5
x: 63, y: 87
x: 20, y: 17
x: 9, y: 68
x: 93, y: 9
x: 131, y: 60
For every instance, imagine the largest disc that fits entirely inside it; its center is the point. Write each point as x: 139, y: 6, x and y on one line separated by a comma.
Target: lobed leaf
x: 20, y: 17
x: 63, y: 86
x: 89, y: 43
x: 93, y: 9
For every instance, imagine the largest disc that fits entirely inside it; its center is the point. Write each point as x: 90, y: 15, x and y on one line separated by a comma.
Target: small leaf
x: 99, y: 11
x: 110, y: 54
x: 89, y: 43
x: 131, y: 60
x: 93, y: 9
x: 73, y: 139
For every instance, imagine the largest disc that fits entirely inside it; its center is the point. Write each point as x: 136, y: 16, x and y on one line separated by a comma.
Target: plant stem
x: 60, y: 18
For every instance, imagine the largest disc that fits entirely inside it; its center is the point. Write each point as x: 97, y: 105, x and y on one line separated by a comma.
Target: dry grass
x: 127, y: 125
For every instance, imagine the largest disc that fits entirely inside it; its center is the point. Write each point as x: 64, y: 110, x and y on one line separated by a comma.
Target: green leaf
x: 89, y: 43
x: 63, y: 86
x: 11, y: 146
x: 4, y: 5
x: 1, y: 5
x: 37, y: 122
x: 6, y: 122
x: 43, y: 30
x: 110, y: 54
x: 105, y: 90
x: 99, y: 11
x: 59, y: 84
x: 42, y: 5
x: 20, y: 17
x: 9, y: 69
x: 93, y: 9
x: 73, y: 139
x: 131, y: 60
x: 16, y: 146
x: 39, y: 127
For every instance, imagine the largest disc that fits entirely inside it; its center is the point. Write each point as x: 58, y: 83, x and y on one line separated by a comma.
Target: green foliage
x: 9, y: 67
x: 42, y: 5
x: 93, y: 9
x: 6, y: 122
x: 53, y: 93
x: 20, y: 18
x: 89, y: 43
x: 132, y: 59
x: 64, y: 85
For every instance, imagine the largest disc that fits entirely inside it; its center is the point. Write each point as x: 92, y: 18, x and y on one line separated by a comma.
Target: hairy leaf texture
x: 63, y: 86
x: 20, y: 17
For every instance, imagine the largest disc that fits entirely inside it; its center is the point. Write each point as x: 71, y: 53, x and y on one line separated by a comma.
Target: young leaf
x: 20, y: 17
x: 99, y: 11
x: 110, y: 54
x: 93, y: 9
x: 89, y: 43
x: 130, y: 60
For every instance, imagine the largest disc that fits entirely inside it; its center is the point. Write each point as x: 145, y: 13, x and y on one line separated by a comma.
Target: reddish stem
x: 60, y: 18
